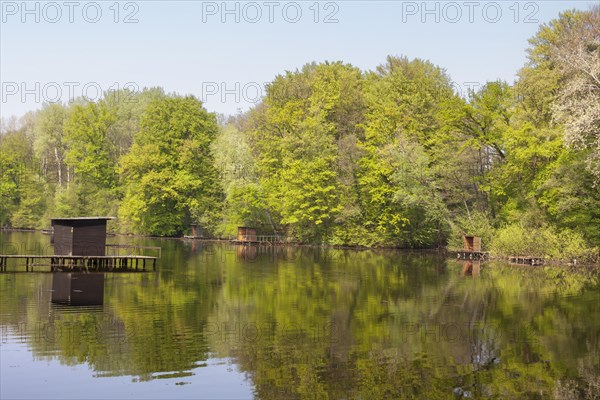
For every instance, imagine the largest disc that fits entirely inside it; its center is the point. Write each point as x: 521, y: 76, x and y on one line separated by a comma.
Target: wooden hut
x: 197, y: 231
x: 472, y: 244
x: 246, y: 234
x: 84, y: 236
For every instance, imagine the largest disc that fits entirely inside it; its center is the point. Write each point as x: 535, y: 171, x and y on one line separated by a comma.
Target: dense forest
x: 333, y: 154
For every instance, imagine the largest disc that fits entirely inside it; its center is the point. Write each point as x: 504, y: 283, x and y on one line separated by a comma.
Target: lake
x: 220, y: 321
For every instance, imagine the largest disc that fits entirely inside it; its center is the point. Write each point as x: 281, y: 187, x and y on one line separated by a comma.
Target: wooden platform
x: 472, y: 255
x: 264, y: 240
x: 526, y: 260
x: 35, y: 263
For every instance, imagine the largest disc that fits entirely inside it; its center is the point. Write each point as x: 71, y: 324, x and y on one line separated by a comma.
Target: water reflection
x: 78, y: 288
x: 247, y: 252
x: 324, y: 323
x: 471, y: 268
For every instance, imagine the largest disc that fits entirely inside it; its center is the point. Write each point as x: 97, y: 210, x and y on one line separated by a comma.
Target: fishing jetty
x: 79, y: 244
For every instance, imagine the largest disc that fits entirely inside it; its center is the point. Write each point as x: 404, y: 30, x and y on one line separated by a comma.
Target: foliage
x: 566, y: 245
x: 304, y: 139
x: 88, y: 145
x: 169, y: 175
x: 576, y: 54
x: 21, y: 187
x: 238, y: 176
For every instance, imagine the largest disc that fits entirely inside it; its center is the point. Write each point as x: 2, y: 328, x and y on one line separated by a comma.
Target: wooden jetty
x: 56, y: 263
x: 526, y: 260
x: 248, y: 235
x: 80, y: 245
x: 472, y: 255
x: 265, y: 240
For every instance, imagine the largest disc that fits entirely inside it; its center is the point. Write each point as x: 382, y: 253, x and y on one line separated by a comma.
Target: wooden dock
x: 264, y: 240
x: 526, y: 260
x: 472, y: 255
x: 34, y: 263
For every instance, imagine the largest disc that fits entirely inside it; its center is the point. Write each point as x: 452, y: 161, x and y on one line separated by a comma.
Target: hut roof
x: 82, y: 218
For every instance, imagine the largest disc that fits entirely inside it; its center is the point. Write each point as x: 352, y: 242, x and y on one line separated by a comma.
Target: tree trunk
x: 58, y: 166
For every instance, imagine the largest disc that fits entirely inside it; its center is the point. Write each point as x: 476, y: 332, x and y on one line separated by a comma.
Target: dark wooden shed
x: 472, y: 243
x: 246, y: 234
x: 84, y: 236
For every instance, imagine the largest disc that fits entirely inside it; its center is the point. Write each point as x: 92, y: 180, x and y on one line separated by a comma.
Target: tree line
x: 333, y: 154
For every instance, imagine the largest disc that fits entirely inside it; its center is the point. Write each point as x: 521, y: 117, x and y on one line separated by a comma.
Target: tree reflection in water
x: 328, y: 323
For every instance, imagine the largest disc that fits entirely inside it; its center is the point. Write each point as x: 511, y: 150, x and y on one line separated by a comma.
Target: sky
x: 224, y: 52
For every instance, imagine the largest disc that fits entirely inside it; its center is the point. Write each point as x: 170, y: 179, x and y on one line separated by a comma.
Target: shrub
x: 515, y: 239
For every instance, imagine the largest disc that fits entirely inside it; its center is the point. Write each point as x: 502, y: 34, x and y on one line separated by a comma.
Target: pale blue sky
x: 185, y: 47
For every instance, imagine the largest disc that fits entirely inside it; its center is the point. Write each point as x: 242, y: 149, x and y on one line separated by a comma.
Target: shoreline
x: 445, y: 251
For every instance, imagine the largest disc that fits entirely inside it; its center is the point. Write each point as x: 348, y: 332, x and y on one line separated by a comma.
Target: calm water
x: 220, y: 321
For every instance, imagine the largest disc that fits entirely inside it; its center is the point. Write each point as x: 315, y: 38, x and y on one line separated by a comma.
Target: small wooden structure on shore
x: 197, y: 232
x: 472, y: 249
x: 246, y: 234
x: 472, y: 243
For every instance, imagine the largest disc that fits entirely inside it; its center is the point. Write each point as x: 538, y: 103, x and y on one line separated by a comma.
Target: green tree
x: 304, y: 138
x: 49, y: 144
x: 88, y: 144
x: 22, y: 188
x: 576, y: 55
x: 169, y: 175
x: 404, y: 103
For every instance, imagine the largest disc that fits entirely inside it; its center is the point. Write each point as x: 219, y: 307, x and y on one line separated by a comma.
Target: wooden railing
x: 127, y: 246
x: 268, y: 239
